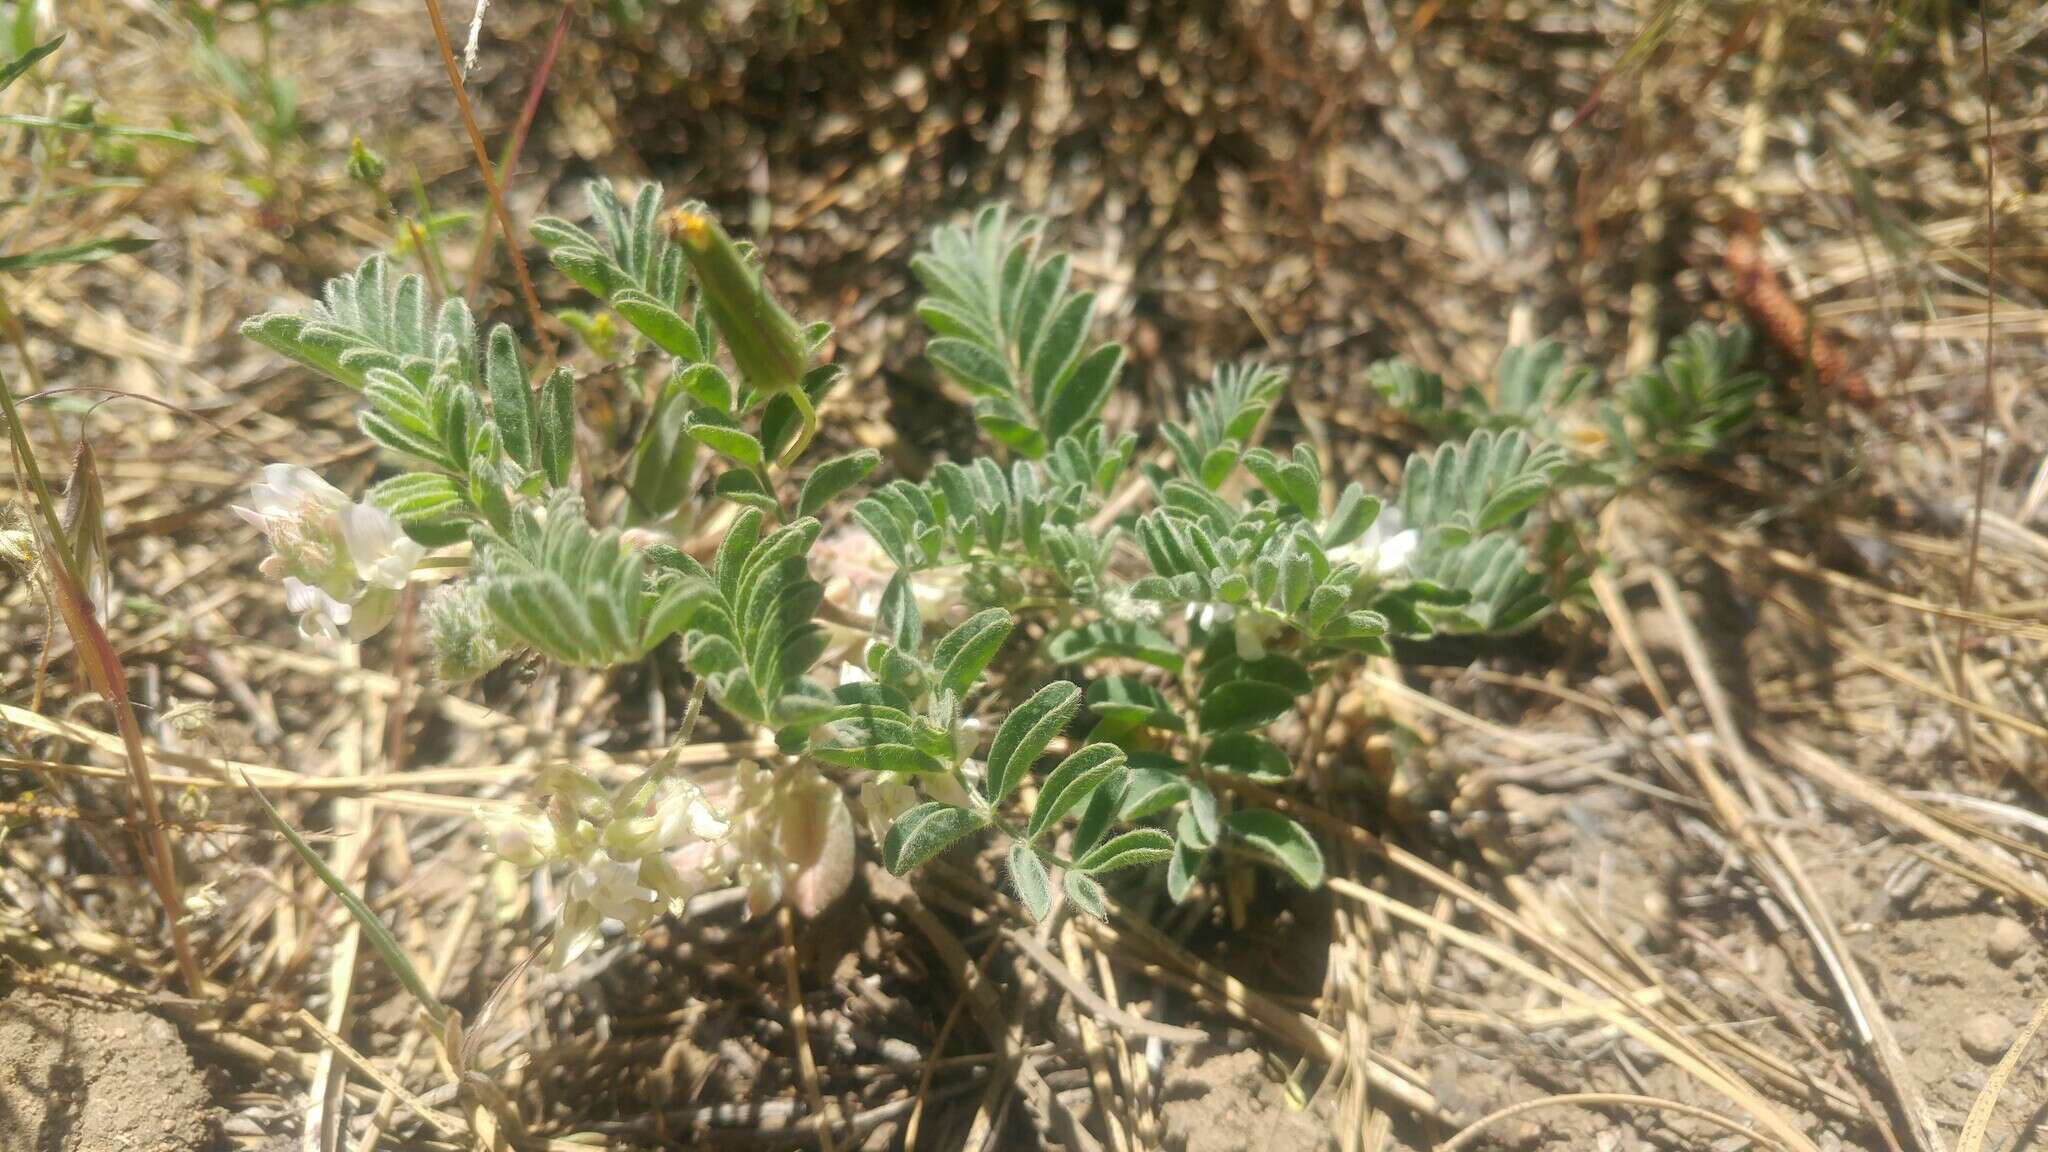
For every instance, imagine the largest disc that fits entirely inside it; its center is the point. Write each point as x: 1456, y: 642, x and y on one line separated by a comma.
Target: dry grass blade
x: 1100, y: 1083
x: 800, y: 1030
x: 332, y: 1042
x: 480, y: 259
x: 1473, y: 1131
x: 454, y: 936
x: 104, y: 671
x: 1772, y: 855
x: 2006, y: 879
x: 1719, y: 1079
x: 1988, y: 400
x: 1119, y: 1018
x: 483, y: 164
x: 981, y: 999
x: 1979, y: 1120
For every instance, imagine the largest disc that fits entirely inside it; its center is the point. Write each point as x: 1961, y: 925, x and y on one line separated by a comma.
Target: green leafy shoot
x: 1008, y: 327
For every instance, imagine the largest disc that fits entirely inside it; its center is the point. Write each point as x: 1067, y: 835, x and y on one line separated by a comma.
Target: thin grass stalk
x: 1988, y: 401
x: 483, y: 163
x: 508, y: 162
x: 103, y: 668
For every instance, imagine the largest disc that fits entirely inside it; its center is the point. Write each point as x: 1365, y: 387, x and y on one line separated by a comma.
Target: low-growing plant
x: 1058, y: 643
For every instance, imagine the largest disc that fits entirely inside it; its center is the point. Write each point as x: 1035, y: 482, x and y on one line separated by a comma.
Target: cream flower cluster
x: 343, y: 563
x: 629, y: 855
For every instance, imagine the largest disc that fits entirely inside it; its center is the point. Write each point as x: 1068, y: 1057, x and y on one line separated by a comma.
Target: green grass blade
x: 379, y: 936
x: 19, y: 66
x: 82, y: 253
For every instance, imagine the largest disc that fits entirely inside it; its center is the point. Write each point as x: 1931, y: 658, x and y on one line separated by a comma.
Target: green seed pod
x: 766, y: 344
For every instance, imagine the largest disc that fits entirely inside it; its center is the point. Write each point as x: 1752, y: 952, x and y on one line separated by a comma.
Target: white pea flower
x: 1582, y: 435
x: 17, y: 540
x: 885, y: 798
x: 630, y: 855
x: 966, y: 741
x: 1384, y: 550
x: 640, y: 539
x: 524, y: 840
x: 882, y: 801
x: 1118, y: 603
x: 947, y: 790
x: 1253, y: 630
x: 599, y: 889
x: 343, y: 563
x: 1251, y: 627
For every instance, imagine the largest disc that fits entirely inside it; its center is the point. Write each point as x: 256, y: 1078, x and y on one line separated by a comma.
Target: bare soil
x: 78, y: 1077
x: 1231, y: 1100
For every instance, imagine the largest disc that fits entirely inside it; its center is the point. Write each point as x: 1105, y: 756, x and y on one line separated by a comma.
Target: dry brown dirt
x: 1228, y: 1100
x: 84, y: 1078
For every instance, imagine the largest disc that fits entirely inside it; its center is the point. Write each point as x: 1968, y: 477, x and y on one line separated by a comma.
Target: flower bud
x: 525, y: 840
x: 364, y: 166
x: 465, y: 638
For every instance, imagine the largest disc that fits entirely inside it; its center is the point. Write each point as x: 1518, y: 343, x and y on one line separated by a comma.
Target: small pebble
x: 2009, y: 940
x: 1987, y: 1036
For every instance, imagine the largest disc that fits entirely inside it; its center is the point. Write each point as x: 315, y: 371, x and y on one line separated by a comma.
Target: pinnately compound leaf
x: 511, y: 401
x: 558, y: 427
x: 1024, y: 734
x: 966, y: 650
x: 892, y: 758
x: 1073, y: 781
x: 1080, y: 394
x: 1086, y: 894
x: 1129, y: 850
x: 924, y: 832
x: 1244, y: 704
x: 834, y: 476
x: 897, y: 619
